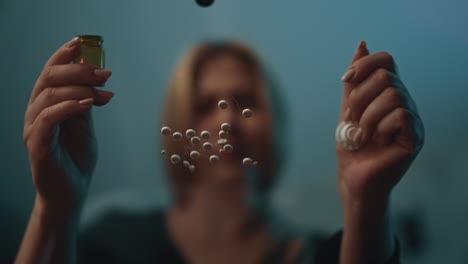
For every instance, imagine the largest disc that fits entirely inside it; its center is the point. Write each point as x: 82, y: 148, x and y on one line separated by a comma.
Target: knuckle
x: 49, y: 74
x: 45, y: 115
x: 48, y: 92
x: 382, y: 75
x: 353, y: 98
x: 392, y: 95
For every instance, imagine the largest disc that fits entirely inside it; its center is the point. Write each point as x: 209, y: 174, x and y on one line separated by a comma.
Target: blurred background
x: 308, y: 44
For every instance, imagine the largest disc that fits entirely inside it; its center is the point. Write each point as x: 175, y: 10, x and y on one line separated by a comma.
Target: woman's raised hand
x: 58, y: 131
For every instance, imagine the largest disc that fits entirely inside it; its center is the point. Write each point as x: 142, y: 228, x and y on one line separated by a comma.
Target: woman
x: 212, y: 220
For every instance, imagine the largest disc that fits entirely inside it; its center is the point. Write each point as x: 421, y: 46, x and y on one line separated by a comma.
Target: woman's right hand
x: 58, y: 131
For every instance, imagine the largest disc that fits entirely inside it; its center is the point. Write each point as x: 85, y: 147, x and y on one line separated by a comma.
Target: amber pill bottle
x: 92, y: 51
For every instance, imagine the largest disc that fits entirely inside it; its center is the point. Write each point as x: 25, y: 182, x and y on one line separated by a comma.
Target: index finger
x: 66, y: 53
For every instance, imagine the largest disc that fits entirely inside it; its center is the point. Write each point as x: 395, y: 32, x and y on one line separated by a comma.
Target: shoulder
x: 121, y: 232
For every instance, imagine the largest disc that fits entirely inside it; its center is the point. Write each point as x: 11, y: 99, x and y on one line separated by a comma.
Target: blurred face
x: 225, y: 77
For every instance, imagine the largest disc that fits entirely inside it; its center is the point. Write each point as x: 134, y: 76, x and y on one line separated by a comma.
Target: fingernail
x: 87, y: 101
x: 347, y: 114
x: 106, y: 94
x: 362, y: 45
x: 349, y: 74
x: 73, y: 42
x: 102, y: 73
x: 357, y: 137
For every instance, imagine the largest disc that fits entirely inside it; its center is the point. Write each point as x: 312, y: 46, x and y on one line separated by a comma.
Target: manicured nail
x: 362, y: 45
x: 349, y: 74
x: 347, y: 114
x: 106, y: 94
x: 73, y: 42
x: 87, y: 101
x: 358, y: 136
x: 102, y: 73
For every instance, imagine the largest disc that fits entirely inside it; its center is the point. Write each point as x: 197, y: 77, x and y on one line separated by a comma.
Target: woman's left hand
x: 391, y: 131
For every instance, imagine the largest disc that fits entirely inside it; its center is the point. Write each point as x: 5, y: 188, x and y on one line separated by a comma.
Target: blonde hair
x: 179, y: 104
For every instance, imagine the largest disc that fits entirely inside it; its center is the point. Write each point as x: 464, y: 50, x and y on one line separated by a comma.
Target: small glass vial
x: 92, y: 51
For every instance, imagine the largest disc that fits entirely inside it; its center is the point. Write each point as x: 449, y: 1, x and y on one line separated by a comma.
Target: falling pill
x: 222, y: 134
x: 175, y: 159
x: 247, y: 162
x: 186, y: 163
x: 213, y: 159
x: 223, y: 104
x: 195, y: 141
x: 194, y: 154
x: 163, y: 152
x: 222, y: 141
x: 190, y: 133
x: 205, y: 134
x: 191, y: 168
x: 225, y: 127
x: 165, y: 131
x: 207, y: 146
x: 177, y: 136
x: 228, y: 148
x: 247, y: 113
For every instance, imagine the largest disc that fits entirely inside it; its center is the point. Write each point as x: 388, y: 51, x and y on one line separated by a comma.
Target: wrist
x: 52, y: 216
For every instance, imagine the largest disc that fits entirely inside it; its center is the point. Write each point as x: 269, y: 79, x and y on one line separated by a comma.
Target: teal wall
x: 307, y: 43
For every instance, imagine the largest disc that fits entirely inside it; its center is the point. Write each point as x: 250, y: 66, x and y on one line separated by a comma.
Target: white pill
x: 225, y: 127
x: 221, y: 151
x: 186, y: 163
x: 191, y: 168
x: 222, y: 141
x: 195, y: 154
x: 205, y: 134
x: 195, y: 140
x: 228, y: 148
x: 207, y: 146
x: 190, y: 133
x: 177, y: 136
x: 222, y: 134
x: 175, y: 159
x: 247, y: 162
x: 163, y: 152
x: 223, y: 104
x: 247, y: 113
x: 214, y: 159
x: 255, y: 163
x: 166, y: 131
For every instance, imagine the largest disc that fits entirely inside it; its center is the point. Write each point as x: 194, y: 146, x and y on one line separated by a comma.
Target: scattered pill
x: 165, y: 131
x: 177, y: 136
x: 214, y: 159
x: 255, y: 163
x: 223, y: 104
x: 195, y: 140
x: 163, y: 152
x: 191, y: 168
x: 205, y: 134
x: 190, y: 133
x: 175, y: 159
x: 247, y: 113
x: 222, y: 141
x: 221, y: 150
x: 207, y: 146
x: 228, y: 148
x: 194, y: 154
x: 186, y: 163
x: 222, y: 134
x: 247, y: 162
x: 225, y: 127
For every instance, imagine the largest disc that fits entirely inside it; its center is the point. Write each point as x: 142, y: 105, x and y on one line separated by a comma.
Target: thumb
x: 361, y: 51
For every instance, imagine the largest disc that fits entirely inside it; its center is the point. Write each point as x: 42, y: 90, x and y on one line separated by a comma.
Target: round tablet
x: 177, y: 136
x: 175, y: 159
x: 190, y: 133
x: 247, y: 162
x: 223, y: 104
x: 195, y: 140
x: 222, y: 134
x: 194, y: 154
x: 247, y: 113
x: 207, y: 146
x: 255, y: 163
x: 163, y: 152
x: 205, y: 134
x: 191, y: 168
x: 225, y: 127
x: 214, y: 159
x: 165, y: 131
x: 222, y: 141
x: 228, y: 148
x: 186, y: 163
